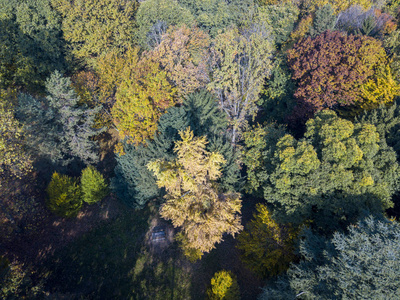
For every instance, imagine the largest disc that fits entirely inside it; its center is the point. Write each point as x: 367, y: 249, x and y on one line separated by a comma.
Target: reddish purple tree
x: 331, y: 68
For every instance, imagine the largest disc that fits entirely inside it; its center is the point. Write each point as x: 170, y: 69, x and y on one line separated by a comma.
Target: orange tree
x: 332, y: 69
x: 137, y: 91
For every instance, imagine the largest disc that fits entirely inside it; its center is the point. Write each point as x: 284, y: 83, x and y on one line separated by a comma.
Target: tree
x: 93, y: 186
x: 310, y: 6
x: 142, y: 97
x: 77, y: 122
x: 331, y: 68
x: 331, y: 175
x: 362, y: 263
x: 324, y: 20
x: 259, y: 142
x: 224, y: 286
x: 279, y: 19
x: 32, y: 47
x: 267, y: 247
x: 193, y: 201
x: 59, y: 129
x: 372, y: 22
x: 16, y: 281
x: 381, y: 89
x: 276, y: 100
x: 182, y: 54
x: 93, y: 27
x: 64, y: 196
x: 214, y: 16
x: 155, y: 16
x: 14, y: 158
x: 387, y: 122
x: 135, y: 184
x: 240, y: 63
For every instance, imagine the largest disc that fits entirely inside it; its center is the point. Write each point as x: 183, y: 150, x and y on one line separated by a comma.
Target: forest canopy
x: 191, y: 149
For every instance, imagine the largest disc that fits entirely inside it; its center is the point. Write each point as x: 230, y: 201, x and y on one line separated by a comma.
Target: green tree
x: 362, y: 263
x: 93, y: 185
x: 93, y: 27
x: 387, y: 122
x: 32, y: 46
x: 331, y: 175
x: 240, y: 63
x: 60, y: 130
x: 214, y: 16
x: 267, y: 247
x: 279, y: 19
x: 193, y: 201
x: 64, y: 196
x: 155, y: 16
x: 224, y: 286
x: 324, y: 20
x: 135, y: 184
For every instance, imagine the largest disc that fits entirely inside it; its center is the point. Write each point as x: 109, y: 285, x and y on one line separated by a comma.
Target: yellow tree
x: 193, y: 201
x: 224, y: 286
x: 143, y: 94
x: 267, y: 247
x: 382, y: 88
x: 93, y: 27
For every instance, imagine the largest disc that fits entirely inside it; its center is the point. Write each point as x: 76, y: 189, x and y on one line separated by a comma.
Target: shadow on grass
x: 111, y: 262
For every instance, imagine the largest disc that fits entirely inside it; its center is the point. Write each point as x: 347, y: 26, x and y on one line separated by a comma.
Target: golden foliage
x: 381, y: 89
x: 140, y: 90
x: 193, y: 201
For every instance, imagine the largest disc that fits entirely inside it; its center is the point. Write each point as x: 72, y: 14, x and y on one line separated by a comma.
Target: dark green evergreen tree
x: 59, y: 130
x: 135, y: 184
x: 363, y: 263
x: 324, y: 20
x: 277, y: 101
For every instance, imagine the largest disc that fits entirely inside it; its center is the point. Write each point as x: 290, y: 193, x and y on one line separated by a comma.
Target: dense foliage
x: 331, y: 175
x: 93, y: 185
x: 353, y: 265
x: 193, y: 200
x: 64, y: 195
x: 177, y: 117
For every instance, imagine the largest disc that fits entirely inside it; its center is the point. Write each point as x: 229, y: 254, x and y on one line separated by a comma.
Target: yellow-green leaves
x: 13, y: 156
x: 240, y: 64
x: 193, y: 201
x: 64, y: 195
x: 93, y: 27
x: 267, y: 247
x: 142, y: 96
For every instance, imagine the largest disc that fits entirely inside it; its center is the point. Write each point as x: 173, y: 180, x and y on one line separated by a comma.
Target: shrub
x: 64, y: 196
x: 93, y: 186
x: 224, y: 286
